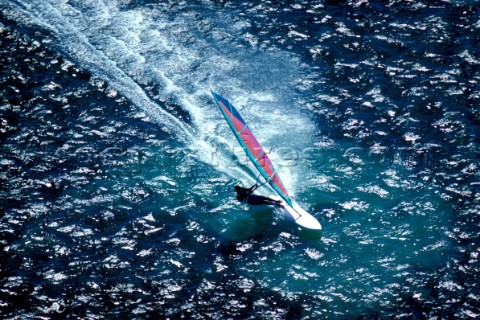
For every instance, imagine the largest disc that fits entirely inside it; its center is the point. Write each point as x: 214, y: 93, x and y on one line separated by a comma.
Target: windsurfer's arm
x: 252, y: 188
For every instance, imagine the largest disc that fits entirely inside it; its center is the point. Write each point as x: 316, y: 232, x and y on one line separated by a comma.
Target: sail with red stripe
x: 251, y: 146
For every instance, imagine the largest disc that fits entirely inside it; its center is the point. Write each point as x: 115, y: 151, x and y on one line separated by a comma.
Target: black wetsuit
x: 245, y: 195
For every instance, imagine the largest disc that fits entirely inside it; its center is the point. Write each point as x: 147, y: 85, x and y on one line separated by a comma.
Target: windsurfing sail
x: 252, y: 147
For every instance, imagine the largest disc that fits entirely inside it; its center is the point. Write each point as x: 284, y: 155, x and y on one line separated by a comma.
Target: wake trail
x: 133, y: 50
x: 78, y: 47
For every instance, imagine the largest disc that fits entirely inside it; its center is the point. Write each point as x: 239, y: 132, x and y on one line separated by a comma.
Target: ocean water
x: 117, y: 169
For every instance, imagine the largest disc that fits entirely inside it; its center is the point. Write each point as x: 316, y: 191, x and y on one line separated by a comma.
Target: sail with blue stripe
x: 252, y: 147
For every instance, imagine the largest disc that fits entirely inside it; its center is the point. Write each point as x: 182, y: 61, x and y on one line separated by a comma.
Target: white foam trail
x: 79, y: 47
x: 137, y: 48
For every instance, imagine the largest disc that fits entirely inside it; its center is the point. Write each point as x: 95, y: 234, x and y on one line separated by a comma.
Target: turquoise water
x: 117, y: 169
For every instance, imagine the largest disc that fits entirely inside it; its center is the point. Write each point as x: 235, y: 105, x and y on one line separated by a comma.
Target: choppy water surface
x: 117, y: 170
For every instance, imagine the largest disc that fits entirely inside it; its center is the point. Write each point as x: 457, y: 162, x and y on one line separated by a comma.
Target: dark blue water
x: 117, y: 169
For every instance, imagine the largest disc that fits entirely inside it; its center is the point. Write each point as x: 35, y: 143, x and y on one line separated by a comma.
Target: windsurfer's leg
x: 259, y: 200
x: 255, y: 200
x: 275, y: 202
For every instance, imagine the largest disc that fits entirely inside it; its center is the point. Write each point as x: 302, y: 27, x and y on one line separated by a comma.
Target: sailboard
x: 262, y: 162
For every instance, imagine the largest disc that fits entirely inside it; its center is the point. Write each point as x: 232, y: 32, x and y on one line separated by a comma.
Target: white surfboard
x: 298, y: 215
x: 262, y: 162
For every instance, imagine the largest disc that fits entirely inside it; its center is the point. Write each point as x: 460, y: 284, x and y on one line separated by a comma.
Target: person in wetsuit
x: 246, y: 195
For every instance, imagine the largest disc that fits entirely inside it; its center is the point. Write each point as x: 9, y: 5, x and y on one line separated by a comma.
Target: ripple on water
x: 88, y: 234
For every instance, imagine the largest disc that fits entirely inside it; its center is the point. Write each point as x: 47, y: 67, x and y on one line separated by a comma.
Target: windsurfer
x: 246, y: 195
